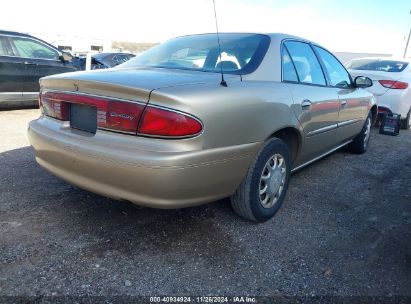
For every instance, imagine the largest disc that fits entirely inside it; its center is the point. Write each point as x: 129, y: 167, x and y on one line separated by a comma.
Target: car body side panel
x: 319, y: 122
x: 354, y: 108
x: 40, y: 68
x: 397, y: 101
x: 12, y: 74
x: 243, y: 112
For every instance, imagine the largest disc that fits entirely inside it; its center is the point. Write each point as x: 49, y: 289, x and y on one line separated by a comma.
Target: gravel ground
x: 344, y: 230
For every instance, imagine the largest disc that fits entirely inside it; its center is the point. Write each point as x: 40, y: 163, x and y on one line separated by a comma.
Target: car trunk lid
x: 132, y: 84
x: 114, y: 99
x: 377, y: 89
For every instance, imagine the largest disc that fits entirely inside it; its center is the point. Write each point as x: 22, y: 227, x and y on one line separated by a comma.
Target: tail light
x: 382, y: 110
x: 112, y: 114
x: 392, y: 84
x: 119, y: 116
x: 53, y: 107
x: 165, y: 123
x: 123, y: 116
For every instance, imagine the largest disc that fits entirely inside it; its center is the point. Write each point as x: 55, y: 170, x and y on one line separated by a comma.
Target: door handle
x: 306, y: 104
x: 29, y: 63
x: 343, y: 102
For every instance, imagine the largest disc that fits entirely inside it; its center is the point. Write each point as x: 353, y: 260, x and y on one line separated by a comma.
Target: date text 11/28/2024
x: 201, y: 299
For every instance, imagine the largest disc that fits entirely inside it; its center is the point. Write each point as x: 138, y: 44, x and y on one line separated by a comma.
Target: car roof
x: 3, y: 32
x: 275, y: 37
x: 11, y: 33
x: 281, y: 36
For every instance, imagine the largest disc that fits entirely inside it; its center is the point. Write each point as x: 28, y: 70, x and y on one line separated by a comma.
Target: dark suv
x: 23, y: 60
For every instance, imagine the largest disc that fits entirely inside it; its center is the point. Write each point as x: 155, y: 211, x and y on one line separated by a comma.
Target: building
x: 347, y: 56
x: 77, y: 45
x: 81, y: 45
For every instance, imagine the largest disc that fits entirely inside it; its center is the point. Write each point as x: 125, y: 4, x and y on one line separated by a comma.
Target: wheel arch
x: 293, y: 139
x: 374, y: 113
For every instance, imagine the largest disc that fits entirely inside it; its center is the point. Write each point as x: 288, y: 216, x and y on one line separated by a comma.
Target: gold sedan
x: 191, y: 121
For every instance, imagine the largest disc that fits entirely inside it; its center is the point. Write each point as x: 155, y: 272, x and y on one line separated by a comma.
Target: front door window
x: 28, y: 48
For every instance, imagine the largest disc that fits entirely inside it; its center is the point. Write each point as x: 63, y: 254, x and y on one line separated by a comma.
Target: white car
x: 391, y: 84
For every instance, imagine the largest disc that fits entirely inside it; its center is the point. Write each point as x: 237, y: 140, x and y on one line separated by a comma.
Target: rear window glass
x: 240, y: 53
x: 377, y: 65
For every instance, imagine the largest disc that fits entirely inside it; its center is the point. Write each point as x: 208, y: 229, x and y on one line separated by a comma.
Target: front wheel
x: 263, y: 189
x: 360, y: 143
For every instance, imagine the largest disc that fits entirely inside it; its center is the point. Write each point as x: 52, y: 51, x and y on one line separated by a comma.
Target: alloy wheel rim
x: 272, y: 181
x: 367, y: 132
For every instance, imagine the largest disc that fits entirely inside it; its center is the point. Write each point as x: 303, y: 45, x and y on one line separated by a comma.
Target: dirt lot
x: 344, y: 230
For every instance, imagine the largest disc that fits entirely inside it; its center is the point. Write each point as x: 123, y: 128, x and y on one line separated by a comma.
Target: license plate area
x: 83, y: 117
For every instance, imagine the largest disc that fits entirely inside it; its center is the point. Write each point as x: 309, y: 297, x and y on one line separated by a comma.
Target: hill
x: 133, y: 47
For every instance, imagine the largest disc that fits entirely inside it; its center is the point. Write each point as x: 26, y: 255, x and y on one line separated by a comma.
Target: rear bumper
x: 396, y: 103
x: 127, y: 168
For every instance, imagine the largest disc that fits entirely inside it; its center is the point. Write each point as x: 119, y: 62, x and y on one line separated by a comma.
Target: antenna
x: 223, y: 82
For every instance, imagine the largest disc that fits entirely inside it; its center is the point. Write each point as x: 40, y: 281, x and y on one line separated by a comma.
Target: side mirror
x: 65, y: 57
x: 362, y: 82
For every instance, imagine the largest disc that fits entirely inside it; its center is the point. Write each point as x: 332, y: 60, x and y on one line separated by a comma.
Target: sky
x: 371, y: 26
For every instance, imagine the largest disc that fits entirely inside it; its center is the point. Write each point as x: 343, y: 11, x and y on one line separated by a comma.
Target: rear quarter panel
x: 243, y: 112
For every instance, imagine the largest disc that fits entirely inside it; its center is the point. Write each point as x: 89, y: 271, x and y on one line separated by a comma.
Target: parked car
x: 24, y: 59
x: 109, y: 60
x: 164, y: 134
x: 391, y: 78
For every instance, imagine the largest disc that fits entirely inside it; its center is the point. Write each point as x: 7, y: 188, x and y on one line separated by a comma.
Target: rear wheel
x: 406, y: 123
x: 263, y: 189
x: 360, y: 143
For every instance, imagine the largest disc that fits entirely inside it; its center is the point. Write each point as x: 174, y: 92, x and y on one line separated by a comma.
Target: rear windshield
x: 240, y: 53
x: 377, y: 65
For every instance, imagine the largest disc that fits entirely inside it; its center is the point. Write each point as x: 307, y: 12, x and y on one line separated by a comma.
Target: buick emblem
x: 124, y: 116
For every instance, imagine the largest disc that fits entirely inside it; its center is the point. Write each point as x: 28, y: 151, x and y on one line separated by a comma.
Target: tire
x: 248, y: 201
x: 405, y: 123
x: 378, y: 121
x: 360, y: 143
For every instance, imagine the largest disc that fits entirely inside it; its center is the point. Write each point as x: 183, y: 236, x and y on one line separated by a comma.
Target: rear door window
x: 306, y: 63
x: 28, y: 48
x: 337, y: 74
x: 289, y: 73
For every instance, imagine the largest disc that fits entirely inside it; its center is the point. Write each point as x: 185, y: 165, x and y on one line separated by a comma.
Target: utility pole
x: 408, y: 41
